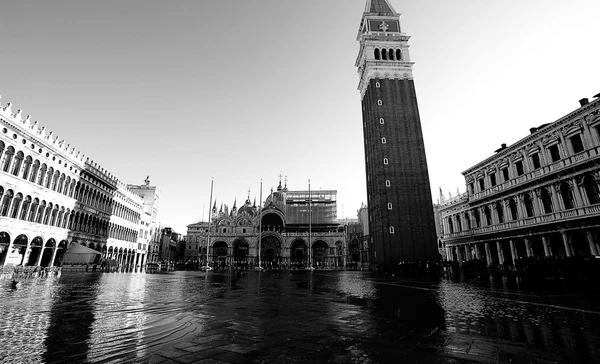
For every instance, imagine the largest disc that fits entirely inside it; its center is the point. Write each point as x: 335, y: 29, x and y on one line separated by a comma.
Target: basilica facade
x: 52, y: 196
x: 292, y: 227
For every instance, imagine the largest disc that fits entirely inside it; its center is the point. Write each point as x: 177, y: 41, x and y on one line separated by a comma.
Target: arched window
x: 49, y: 177
x: 40, y: 212
x: 591, y: 189
x: 27, y: 167
x: 488, y: 215
x: 391, y: 54
x: 450, y: 225
x: 468, y: 220
x: 377, y: 54
x: 546, y: 200
x: 25, y: 207
x: 14, y: 211
x: 61, y: 183
x: 42, y: 175
x: 384, y: 54
x: 2, y: 146
x: 55, y: 181
x: 18, y: 163
x: 500, y: 211
x: 48, y: 213
x: 72, y: 190
x: 33, y: 209
x: 512, y: 207
x: 34, y: 171
x: 567, y: 196
x: 59, y: 221
x: 54, y: 216
x: 458, y: 224
x: 528, y: 202
x: 398, y: 55
x: 6, y: 200
x: 7, y: 159
x: 477, y: 218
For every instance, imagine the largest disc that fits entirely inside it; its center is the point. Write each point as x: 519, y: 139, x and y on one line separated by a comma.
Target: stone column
x: 53, y: 257
x: 567, y: 243
x: 577, y: 193
x: 563, y: 146
x: 528, y: 247
x: 513, y: 250
x: 500, y: 252
x: 557, y: 206
x: 590, y: 238
x: 477, y: 252
x: 468, y: 252
x: 547, y: 251
x: 537, y: 203
x: 488, y: 254
x: 448, y: 254
x: 39, y: 258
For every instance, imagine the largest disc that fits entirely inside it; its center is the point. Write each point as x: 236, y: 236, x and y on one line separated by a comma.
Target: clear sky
x: 185, y: 91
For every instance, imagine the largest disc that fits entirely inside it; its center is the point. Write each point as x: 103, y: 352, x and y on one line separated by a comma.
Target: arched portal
x: 240, y: 250
x: 35, y: 250
x: 270, y: 249
x: 4, y: 244
x: 299, y: 251
x: 272, y: 222
x: 581, y: 247
x: 60, y: 253
x: 48, y: 252
x: 354, y: 249
x: 320, y: 253
x: 220, y: 251
x: 339, y: 257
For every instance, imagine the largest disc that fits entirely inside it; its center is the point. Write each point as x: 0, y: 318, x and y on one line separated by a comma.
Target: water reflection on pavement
x: 336, y: 317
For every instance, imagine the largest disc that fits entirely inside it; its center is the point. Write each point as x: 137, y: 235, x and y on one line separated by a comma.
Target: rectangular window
x: 535, y: 159
x: 519, y: 168
x: 576, y: 143
x: 493, y: 179
x: 505, y: 174
x: 481, y: 184
x: 554, y: 153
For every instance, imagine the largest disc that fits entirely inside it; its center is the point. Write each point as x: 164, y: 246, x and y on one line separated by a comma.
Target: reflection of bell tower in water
x: 401, y: 223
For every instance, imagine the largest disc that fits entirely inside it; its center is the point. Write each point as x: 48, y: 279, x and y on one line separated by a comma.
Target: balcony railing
x: 558, y: 216
x: 551, y: 168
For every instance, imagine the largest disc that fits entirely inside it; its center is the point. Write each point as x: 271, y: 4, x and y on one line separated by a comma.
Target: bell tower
x: 401, y: 221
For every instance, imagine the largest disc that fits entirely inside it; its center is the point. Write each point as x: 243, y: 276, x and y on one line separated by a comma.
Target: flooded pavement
x: 292, y: 317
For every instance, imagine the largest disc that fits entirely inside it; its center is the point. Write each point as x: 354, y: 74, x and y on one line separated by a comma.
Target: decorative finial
x: 147, y: 181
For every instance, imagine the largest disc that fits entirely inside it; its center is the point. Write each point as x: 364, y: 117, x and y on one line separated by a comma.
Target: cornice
x: 538, y: 134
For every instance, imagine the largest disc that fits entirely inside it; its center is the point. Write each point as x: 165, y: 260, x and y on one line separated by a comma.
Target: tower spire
x: 380, y: 7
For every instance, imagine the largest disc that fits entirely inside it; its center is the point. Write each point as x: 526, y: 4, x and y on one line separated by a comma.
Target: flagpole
x: 309, y: 226
x: 259, y: 223
x: 209, y: 218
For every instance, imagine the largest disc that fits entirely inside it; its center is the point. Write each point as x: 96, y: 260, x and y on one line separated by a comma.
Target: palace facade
x: 539, y: 197
x: 52, y: 196
x: 293, y: 227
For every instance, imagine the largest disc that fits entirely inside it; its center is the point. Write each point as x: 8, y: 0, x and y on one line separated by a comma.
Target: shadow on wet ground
x: 293, y: 317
